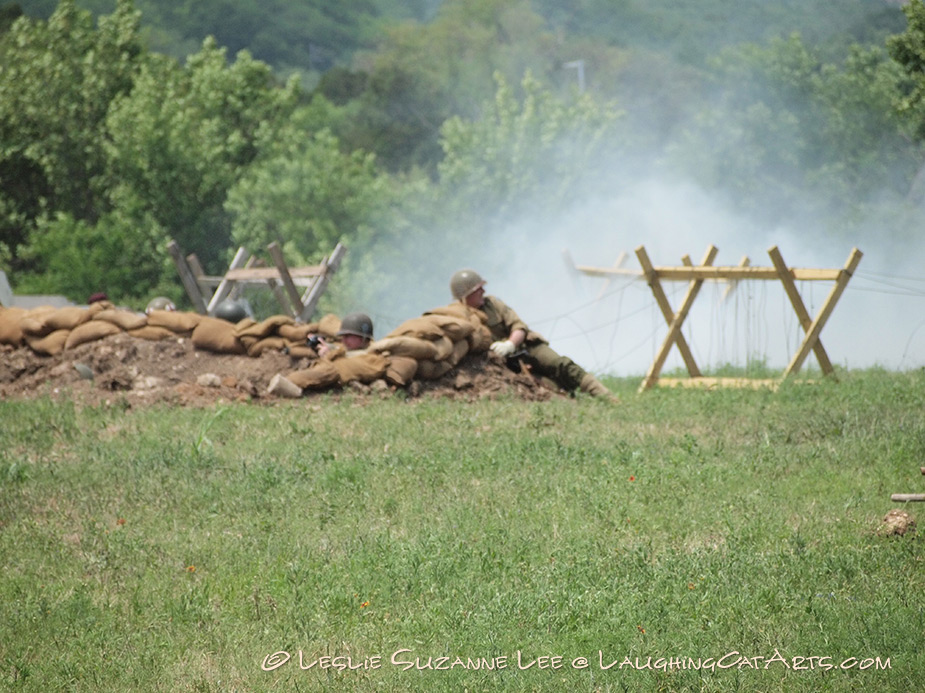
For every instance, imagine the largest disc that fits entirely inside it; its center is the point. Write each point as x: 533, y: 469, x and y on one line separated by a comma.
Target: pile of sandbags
x: 49, y: 331
x: 423, y: 348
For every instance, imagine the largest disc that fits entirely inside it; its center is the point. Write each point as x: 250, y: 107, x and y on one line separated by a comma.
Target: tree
x: 305, y: 194
x: 184, y: 136
x: 57, y: 79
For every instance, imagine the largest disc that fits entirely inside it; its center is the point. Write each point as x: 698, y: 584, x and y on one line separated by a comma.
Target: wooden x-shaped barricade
x: 697, y: 274
x: 282, y: 280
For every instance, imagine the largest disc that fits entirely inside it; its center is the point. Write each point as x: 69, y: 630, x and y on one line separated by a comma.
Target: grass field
x: 680, y: 541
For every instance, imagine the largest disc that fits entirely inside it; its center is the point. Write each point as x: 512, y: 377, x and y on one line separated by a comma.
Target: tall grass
x: 682, y: 540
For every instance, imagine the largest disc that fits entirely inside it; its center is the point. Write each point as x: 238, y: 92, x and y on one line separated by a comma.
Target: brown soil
x: 140, y: 372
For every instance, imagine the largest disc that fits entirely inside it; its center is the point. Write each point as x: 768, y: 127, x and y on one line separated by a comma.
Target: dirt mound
x: 140, y: 372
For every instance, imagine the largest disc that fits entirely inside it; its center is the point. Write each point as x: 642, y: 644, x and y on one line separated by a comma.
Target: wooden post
x: 314, y: 292
x: 813, y: 330
x: 293, y: 293
x: 226, y: 284
x: 675, y: 320
x: 187, y: 277
x: 908, y: 497
x: 733, y: 283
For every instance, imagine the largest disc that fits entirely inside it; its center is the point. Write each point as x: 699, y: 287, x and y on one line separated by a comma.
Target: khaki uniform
x: 543, y: 360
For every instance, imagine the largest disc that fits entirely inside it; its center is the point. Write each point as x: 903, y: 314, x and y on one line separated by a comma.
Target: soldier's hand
x: 503, y: 348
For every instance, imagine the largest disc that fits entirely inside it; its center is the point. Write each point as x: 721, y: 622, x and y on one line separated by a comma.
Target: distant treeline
x: 224, y: 123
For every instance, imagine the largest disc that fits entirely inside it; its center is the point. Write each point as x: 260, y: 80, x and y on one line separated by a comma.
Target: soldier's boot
x: 595, y: 388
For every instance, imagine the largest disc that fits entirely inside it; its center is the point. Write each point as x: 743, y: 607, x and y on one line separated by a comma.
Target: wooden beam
x: 313, y: 294
x: 799, y: 308
x: 187, y: 277
x: 733, y: 283
x: 811, y: 340
x: 240, y: 257
x: 719, y: 273
x: 908, y: 497
x: 283, y: 273
x: 675, y: 320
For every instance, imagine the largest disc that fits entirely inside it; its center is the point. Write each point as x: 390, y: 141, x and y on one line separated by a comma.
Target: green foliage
x: 785, y: 123
x: 76, y: 258
x: 57, y: 81
x: 305, y: 194
x: 184, y: 136
x: 536, y: 152
x: 908, y: 50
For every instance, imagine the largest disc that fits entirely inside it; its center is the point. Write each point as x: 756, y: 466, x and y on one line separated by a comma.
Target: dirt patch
x: 141, y: 372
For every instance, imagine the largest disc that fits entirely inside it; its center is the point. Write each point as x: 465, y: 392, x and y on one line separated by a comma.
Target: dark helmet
x: 230, y: 310
x: 160, y: 303
x: 359, y: 324
x: 464, y: 282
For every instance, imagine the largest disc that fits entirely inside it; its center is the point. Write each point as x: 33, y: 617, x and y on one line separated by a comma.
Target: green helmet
x: 230, y: 310
x: 464, y: 282
x: 160, y: 303
x: 359, y: 324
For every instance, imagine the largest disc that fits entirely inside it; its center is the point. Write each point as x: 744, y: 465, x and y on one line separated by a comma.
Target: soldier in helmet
x: 159, y: 303
x: 356, y: 332
x: 512, y: 335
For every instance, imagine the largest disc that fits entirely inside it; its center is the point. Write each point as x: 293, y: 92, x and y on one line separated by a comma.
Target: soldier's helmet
x: 359, y: 324
x: 464, y: 282
x: 160, y: 303
x: 230, y: 310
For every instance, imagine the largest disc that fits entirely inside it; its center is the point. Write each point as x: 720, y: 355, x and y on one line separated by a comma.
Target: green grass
x: 178, y: 549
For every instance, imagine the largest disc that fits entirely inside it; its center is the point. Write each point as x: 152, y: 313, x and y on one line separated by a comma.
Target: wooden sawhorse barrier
x: 696, y: 275
x: 246, y: 269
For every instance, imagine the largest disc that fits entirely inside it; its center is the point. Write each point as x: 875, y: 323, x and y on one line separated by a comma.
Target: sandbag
x: 329, y: 325
x: 444, y: 347
x: 296, y: 333
x: 455, y: 328
x: 318, y: 376
x: 460, y: 349
x: 401, y: 370
x: 49, y: 345
x: 178, y: 322
x: 215, y: 334
x: 431, y: 370
x: 422, y: 328
x: 90, y: 332
x: 365, y: 367
x: 125, y: 319
x: 153, y: 333
x: 67, y: 318
x: 460, y: 310
x: 480, y: 339
x: 301, y: 351
x: 10, y: 331
x: 265, y: 328
x: 33, y: 322
x: 405, y: 346
x: 266, y: 344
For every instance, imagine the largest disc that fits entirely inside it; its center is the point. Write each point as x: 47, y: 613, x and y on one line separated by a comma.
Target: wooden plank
x: 710, y: 383
x: 261, y: 274
x: 675, y: 320
x: 811, y: 341
x: 908, y: 497
x: 293, y: 293
x: 733, y: 283
x: 799, y: 308
x: 719, y: 273
x: 187, y: 277
x: 240, y: 257
x: 313, y: 295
